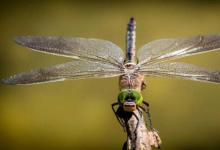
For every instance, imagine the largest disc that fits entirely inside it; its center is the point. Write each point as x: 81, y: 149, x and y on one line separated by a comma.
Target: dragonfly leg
x: 147, y: 111
x: 137, y: 119
x: 120, y: 120
x: 155, y: 138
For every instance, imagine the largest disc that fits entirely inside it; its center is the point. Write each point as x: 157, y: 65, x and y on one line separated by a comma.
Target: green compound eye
x: 132, y: 94
x: 121, y: 96
x: 138, y: 97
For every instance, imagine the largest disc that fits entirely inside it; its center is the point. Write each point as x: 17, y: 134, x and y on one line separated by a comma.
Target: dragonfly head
x: 130, y: 99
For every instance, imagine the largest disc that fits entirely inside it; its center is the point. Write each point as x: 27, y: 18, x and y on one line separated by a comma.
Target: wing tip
x: 8, y: 81
x: 20, y: 39
x: 13, y: 81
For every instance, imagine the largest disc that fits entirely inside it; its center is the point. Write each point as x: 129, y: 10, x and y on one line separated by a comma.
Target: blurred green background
x: 77, y: 114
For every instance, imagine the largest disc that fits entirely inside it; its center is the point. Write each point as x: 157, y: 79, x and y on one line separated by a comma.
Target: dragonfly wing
x: 77, y: 69
x: 78, y: 48
x: 181, y: 70
x: 167, y: 49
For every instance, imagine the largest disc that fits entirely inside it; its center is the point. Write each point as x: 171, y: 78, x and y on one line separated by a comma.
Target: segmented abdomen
x: 131, y: 36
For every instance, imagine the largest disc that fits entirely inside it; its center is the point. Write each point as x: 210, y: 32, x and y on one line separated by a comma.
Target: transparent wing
x: 78, y: 48
x: 181, y: 70
x: 77, y: 69
x: 167, y: 49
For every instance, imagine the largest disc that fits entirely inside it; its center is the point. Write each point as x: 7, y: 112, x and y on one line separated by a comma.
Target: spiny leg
x: 154, y: 133
x: 147, y: 111
x: 138, y: 121
x: 121, y: 121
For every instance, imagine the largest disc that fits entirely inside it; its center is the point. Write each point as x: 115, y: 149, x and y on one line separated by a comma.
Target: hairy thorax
x: 131, y: 79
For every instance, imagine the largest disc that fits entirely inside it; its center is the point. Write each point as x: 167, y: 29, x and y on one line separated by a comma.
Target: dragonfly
x: 96, y: 58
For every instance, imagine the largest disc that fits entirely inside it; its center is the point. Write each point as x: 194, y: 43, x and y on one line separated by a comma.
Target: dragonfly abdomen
x: 131, y: 37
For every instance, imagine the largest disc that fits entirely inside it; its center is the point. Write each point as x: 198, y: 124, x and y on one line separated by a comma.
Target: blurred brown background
x: 77, y: 114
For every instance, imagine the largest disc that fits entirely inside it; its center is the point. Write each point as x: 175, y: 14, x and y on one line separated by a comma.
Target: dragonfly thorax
x: 131, y: 79
x: 130, y: 68
x: 130, y: 99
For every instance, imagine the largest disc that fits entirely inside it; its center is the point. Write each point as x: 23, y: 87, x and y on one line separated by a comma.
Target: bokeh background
x: 77, y: 114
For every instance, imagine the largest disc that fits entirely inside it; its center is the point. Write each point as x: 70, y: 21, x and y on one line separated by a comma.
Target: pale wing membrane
x: 78, y: 48
x: 167, y: 49
x: 72, y: 70
x: 181, y: 70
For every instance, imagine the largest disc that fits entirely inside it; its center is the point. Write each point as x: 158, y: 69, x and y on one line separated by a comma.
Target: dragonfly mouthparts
x: 129, y: 106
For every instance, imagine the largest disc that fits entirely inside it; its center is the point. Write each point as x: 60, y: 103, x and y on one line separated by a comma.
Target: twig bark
x: 137, y: 133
